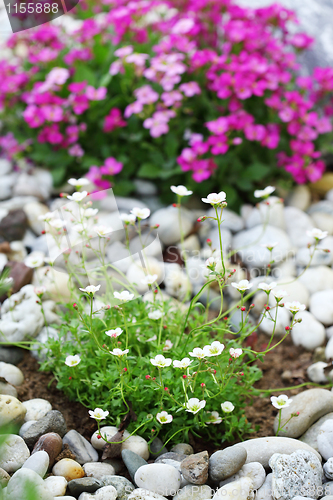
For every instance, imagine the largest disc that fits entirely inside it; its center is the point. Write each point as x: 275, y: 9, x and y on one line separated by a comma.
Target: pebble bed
x: 63, y: 464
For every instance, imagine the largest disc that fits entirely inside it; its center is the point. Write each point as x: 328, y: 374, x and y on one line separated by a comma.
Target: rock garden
x: 166, y: 253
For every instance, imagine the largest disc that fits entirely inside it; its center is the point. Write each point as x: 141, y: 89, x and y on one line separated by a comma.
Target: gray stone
x: 298, y: 473
x: 11, y: 373
x: 182, y: 449
x: 167, y: 218
x: 311, y: 405
x: 142, y: 494
x: 52, y: 422
x: 98, y: 469
x: 236, y: 490
x: 225, y: 463
x: 261, y: 449
x: 310, y: 436
x: 123, y: 486
x: 321, y: 306
x: 23, y: 483
x: 116, y: 463
x: 265, y: 491
x: 157, y: 448
x: 132, y: 461
x: 4, y: 478
x: 328, y: 468
x: 170, y: 455
x: 8, y: 390
x: 253, y: 470
x: 80, y: 446
x: 36, y: 408
x: 12, y: 355
x: 88, y: 484
x: 159, y: 478
x: 325, y: 439
x: 38, y: 462
x: 191, y: 492
x: 195, y: 468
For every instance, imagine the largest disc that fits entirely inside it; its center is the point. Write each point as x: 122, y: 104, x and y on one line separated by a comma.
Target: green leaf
x: 256, y: 171
x: 58, y: 175
x: 83, y: 73
x: 105, y: 80
x: 149, y: 170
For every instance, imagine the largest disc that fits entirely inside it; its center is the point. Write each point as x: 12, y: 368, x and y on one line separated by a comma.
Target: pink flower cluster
x: 110, y: 168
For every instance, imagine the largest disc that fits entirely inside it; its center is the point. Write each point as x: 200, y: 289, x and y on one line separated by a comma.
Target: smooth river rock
x: 310, y: 436
x: 159, y: 478
x: 225, y: 463
x: 311, y: 405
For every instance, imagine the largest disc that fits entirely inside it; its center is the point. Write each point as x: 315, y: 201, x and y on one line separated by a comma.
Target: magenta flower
x: 113, y: 120
x: 52, y: 113
x: 111, y: 166
x: 76, y: 150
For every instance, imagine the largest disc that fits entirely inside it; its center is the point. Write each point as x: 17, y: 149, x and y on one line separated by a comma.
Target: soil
x: 283, y: 367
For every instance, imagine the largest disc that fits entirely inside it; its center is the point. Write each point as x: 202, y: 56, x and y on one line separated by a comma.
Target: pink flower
x: 33, y: 116
x: 190, y: 89
x: 76, y: 150
x: 146, y: 95
x: 255, y: 132
x: 77, y: 87
x: 133, y: 109
x: 116, y: 67
x: 170, y: 98
x: 113, y: 120
x: 52, y: 113
x: 219, y: 144
x: 158, y: 124
x: 124, y: 51
x: 96, y: 94
x: 111, y: 166
x: 218, y: 126
x: 137, y: 59
x: 79, y: 103
x: 302, y: 41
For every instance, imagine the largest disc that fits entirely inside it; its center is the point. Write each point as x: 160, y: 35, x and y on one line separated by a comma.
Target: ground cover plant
x: 206, y: 93
x: 150, y: 363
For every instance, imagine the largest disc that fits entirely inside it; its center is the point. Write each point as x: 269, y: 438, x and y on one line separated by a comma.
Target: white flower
x: 215, y: 198
x: 164, y: 417
x: 317, y: 234
x: 194, y: 405
x: 140, y: 213
x: 235, y: 353
x: 90, y: 212
x: 114, y: 333
x: 264, y: 193
x: 168, y: 345
x: 267, y: 287
x: 242, y: 285
x: 77, y: 196
x: 40, y: 290
x: 78, y: 182
x: 128, y: 218
x: 281, y: 401
x: 184, y: 363
x: 213, y: 263
x: 124, y: 296
x: 181, y: 190
x: 46, y: 217
x: 91, y: 289
x: 295, y: 306
x: 119, y: 352
x: 103, y: 231
x: 214, y: 349
x: 197, y: 353
x: 35, y: 259
x: 160, y: 361
x: 149, y: 279
x: 270, y: 246
x: 57, y: 223
x: 214, y: 418
x: 155, y: 314
x: 280, y: 294
x: 98, y: 414
x: 227, y: 406
x: 72, y: 360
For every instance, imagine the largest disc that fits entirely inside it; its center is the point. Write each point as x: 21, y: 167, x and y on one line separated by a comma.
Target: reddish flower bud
x: 69, y: 378
x: 165, y: 327
x: 156, y: 226
x: 166, y: 389
x: 251, y: 306
x: 125, y: 369
x: 62, y: 195
x: 184, y: 376
x: 225, y: 318
x: 268, y: 308
x: 202, y: 385
x: 99, y: 436
x: 297, y: 413
x: 243, y: 308
x: 214, y: 371
x: 156, y: 291
x: 174, y: 205
x: 209, y: 241
x: 241, y: 374
x: 287, y: 328
x: 154, y: 378
x: 43, y: 232
x: 148, y: 377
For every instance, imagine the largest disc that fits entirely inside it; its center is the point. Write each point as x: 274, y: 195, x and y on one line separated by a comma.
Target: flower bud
x: 147, y: 377
x: 243, y: 308
x: 202, y: 385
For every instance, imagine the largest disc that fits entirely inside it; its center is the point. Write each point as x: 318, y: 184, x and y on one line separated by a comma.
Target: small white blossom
x: 119, y: 352
x: 91, y: 289
x: 57, y: 223
x: 155, y: 315
x: 183, y: 364
x: 197, y: 353
x: 149, y: 279
x: 164, y: 417
x: 213, y: 263
x: 214, y: 349
x: 168, y: 345
x: 90, y: 212
x: 141, y: 213
x: 264, y: 193
x: 78, y: 182
x: 317, y: 234
x: 215, y: 198
x: 235, y: 353
x: 181, y: 190
x: 295, y: 306
x: 128, y: 218
x: 46, y: 217
x: 280, y: 294
x: 194, y: 405
x: 227, y: 407
x: 98, y: 414
x: 40, y: 290
x: 281, y: 401
x: 72, y: 360
x: 214, y: 418
x: 103, y: 231
x: 124, y: 296
x: 35, y: 259
x: 114, y: 333
x: 267, y: 287
x: 160, y: 361
x: 270, y: 246
x: 77, y: 196
x: 242, y: 285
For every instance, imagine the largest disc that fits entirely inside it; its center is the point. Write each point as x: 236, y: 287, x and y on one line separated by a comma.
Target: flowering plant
x: 201, y: 91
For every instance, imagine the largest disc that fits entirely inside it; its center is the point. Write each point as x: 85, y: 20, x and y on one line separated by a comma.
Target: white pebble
x: 98, y: 469
x: 11, y: 373
x: 160, y: 478
x: 57, y: 485
x: 36, y: 409
x: 38, y: 462
x: 138, y: 445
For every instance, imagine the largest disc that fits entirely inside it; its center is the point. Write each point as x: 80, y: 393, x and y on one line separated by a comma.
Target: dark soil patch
x: 283, y: 367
